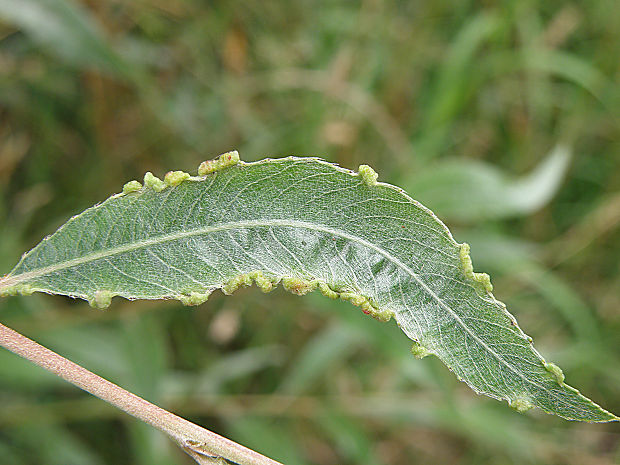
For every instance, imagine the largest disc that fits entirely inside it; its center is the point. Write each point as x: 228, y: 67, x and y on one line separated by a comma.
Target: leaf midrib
x: 253, y: 224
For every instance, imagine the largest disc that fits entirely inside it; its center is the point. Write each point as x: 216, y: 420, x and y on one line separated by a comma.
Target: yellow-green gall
x: 236, y: 282
x: 327, y: 291
x: 382, y: 316
x: 264, y: 284
x: 368, y: 175
x: 17, y: 289
x: 174, y: 178
x: 556, y: 371
x: 131, y: 186
x: 194, y: 298
x: 101, y: 299
x: 484, y: 280
x: 246, y: 279
x: 298, y: 286
x: 152, y: 181
x: 25, y: 289
x: 521, y: 404
x: 419, y: 351
x: 223, y: 161
x: 466, y: 263
x: 367, y: 306
x: 481, y: 280
x: 355, y: 299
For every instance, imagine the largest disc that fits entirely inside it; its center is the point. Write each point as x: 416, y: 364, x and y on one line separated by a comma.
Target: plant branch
x: 203, y: 445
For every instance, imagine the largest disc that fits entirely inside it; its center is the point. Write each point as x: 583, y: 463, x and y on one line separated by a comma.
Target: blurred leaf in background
x: 65, y: 30
x: 489, y: 193
x: 502, y: 118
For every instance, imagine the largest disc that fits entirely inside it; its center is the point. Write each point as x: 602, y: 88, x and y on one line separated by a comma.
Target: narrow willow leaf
x: 306, y: 224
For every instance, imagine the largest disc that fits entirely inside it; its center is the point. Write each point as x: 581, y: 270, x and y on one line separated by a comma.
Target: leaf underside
x: 307, y: 224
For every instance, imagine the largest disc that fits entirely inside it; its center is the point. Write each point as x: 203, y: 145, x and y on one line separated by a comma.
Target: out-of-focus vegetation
x: 461, y: 104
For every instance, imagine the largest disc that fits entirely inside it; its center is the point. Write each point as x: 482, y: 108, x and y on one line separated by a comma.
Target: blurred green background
x: 500, y: 116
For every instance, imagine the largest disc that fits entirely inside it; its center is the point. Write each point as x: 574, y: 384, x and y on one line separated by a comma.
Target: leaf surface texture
x: 305, y: 223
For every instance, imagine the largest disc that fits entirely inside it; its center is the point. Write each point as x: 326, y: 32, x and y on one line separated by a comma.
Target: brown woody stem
x: 201, y: 444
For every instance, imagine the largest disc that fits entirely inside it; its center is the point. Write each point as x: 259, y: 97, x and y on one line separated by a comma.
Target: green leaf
x: 469, y: 190
x: 67, y: 30
x: 306, y: 224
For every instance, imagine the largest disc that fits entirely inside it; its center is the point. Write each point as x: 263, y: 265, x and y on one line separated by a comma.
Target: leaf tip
x: 152, y: 181
x: 223, y: 161
x: 131, y: 186
x: 368, y: 175
x: 482, y: 280
x: 101, y: 299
